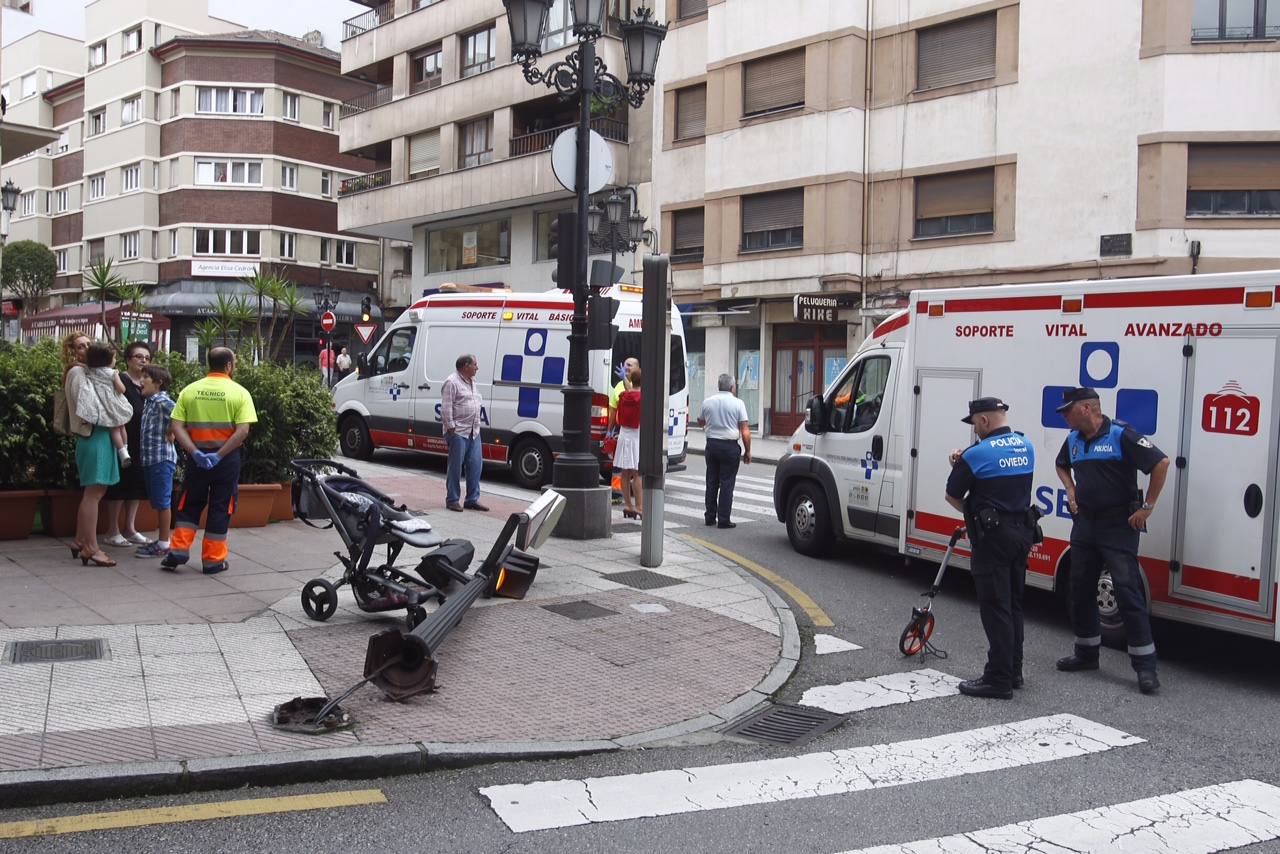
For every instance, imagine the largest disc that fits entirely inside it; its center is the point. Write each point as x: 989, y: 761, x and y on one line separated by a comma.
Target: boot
x: 1075, y: 661
x: 980, y: 687
x: 1148, y: 682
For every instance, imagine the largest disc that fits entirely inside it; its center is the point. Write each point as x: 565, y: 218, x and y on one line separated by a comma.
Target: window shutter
x: 688, y: 231
x: 956, y: 194
x: 773, y: 82
x: 770, y: 211
x: 688, y: 8
x: 424, y: 151
x: 691, y: 112
x: 1234, y: 166
x: 956, y: 53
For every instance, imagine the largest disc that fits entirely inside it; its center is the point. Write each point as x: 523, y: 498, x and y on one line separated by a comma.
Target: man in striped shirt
x: 460, y: 411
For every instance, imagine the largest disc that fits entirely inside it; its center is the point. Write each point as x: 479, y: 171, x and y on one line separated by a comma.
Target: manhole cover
x: 789, y: 725
x: 579, y: 610
x: 643, y: 579
x: 55, y: 651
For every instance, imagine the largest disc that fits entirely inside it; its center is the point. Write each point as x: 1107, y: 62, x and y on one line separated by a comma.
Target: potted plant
x: 32, y: 456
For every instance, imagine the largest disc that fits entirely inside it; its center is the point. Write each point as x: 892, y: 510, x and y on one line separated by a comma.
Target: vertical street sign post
x: 655, y: 352
x: 328, y: 322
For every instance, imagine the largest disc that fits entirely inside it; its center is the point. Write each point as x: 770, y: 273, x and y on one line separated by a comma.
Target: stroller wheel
x: 319, y: 599
x: 415, y: 615
x: 916, y: 634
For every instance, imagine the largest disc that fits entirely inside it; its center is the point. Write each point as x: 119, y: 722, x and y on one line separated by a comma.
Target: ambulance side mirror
x: 362, y: 366
x: 815, y: 417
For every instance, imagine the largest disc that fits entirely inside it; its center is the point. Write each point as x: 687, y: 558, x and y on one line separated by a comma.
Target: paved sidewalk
x: 764, y: 449
x: 197, y: 663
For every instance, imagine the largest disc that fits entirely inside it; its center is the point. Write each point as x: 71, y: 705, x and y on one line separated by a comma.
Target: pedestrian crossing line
x: 765, y: 481
x: 889, y: 690
x: 672, y: 508
x: 701, y: 485
x: 738, y: 506
x: 568, y: 803
x: 698, y: 496
x: 828, y: 644
x: 1194, y: 821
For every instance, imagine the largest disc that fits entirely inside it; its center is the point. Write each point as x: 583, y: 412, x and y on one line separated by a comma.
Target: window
x: 97, y: 54
x: 130, y: 110
x: 97, y: 186
x: 475, y: 143
x: 464, y: 247
x: 687, y: 228
x: 1235, y: 20
x: 130, y: 178
x: 64, y: 141
x: 691, y: 112
x: 855, y: 403
x: 1233, y: 179
x: 288, y: 245
x: 326, y: 184
x: 211, y: 99
x: 173, y: 243
x: 559, y: 27
x: 328, y: 116
x: 131, y: 41
x: 394, y: 354
x: 289, y: 177
x: 324, y: 250
x: 175, y: 175
x: 129, y: 246
x: 346, y: 253
x: 479, y: 49
x: 175, y: 103
x: 773, y: 221
x: 290, y: 106
x: 28, y: 205
x: 48, y: 203
x: 955, y: 203
x: 28, y: 85
x: 689, y: 8
x: 155, y: 174
x: 243, y: 172
x: 97, y: 250
x: 155, y: 244
x: 4, y: 93
x: 424, y: 153
x: 60, y: 257
x: 957, y: 52
x: 773, y: 83
x: 60, y: 200
x: 227, y: 241
x: 427, y: 69
x: 97, y: 122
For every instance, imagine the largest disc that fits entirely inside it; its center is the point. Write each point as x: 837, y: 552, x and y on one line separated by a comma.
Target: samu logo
x: 1100, y: 369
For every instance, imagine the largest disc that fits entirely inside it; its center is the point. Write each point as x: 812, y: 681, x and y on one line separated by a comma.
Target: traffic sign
x: 564, y: 160
x: 328, y: 321
x: 365, y: 331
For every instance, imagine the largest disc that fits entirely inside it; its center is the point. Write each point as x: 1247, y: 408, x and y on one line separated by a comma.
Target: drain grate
x: 55, y: 651
x: 643, y: 579
x: 579, y: 610
x: 789, y: 725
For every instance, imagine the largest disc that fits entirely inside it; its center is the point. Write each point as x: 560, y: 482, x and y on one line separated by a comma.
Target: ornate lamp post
x: 9, y: 202
x: 583, y: 74
x: 620, y: 226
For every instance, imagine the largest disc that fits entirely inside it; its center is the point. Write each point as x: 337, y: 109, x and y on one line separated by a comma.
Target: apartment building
x: 190, y: 153
x: 461, y: 142
x: 860, y: 150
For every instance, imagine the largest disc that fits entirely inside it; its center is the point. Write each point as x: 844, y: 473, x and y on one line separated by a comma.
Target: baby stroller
x: 365, y: 519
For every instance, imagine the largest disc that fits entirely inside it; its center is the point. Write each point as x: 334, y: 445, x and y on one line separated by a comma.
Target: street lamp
x: 584, y: 75
x: 9, y: 202
x: 326, y: 298
x: 623, y: 228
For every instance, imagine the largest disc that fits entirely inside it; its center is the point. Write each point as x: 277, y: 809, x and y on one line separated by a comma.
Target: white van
x: 521, y: 344
x: 1190, y: 361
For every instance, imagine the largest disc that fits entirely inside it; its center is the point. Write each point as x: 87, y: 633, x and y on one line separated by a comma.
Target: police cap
x: 1073, y: 396
x: 984, y: 404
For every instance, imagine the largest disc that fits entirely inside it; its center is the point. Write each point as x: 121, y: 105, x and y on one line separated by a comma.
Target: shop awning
x: 195, y: 298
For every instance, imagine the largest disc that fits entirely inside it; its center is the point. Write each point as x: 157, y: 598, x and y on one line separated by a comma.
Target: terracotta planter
x: 253, y: 510
x: 18, y: 512
x: 282, y: 508
x: 63, y: 505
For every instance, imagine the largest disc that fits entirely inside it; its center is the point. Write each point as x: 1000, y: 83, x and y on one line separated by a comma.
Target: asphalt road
x: 1213, y: 722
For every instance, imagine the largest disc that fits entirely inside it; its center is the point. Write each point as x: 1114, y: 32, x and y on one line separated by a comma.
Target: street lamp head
x: 616, y: 207
x: 528, y: 22
x: 594, y: 214
x: 635, y: 224
x: 9, y: 196
x: 588, y: 17
x: 642, y: 39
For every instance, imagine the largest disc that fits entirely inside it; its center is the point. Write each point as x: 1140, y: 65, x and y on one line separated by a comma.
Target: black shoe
x: 1148, y: 681
x: 215, y: 568
x: 726, y: 524
x: 169, y: 563
x: 980, y: 687
x: 477, y: 506
x: 709, y: 522
x: 1075, y: 662
x: 456, y: 508
x: 1017, y: 680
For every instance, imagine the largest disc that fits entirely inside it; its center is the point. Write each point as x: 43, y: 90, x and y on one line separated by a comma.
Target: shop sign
x: 816, y: 309
x: 224, y: 269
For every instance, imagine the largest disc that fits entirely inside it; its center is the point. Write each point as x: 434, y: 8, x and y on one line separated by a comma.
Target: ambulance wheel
x: 809, y: 519
x: 353, y: 436
x: 319, y: 599
x: 1113, y: 634
x: 531, y: 463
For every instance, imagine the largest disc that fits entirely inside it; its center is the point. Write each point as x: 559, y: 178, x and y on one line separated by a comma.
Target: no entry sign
x: 328, y: 321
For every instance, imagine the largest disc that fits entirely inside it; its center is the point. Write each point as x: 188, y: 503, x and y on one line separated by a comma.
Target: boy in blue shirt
x: 158, y: 457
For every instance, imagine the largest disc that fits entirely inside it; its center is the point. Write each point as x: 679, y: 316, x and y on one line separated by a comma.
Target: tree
x: 106, y: 284
x: 28, y: 269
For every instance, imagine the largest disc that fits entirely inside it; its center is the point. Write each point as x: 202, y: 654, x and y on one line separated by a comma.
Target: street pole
x: 655, y: 352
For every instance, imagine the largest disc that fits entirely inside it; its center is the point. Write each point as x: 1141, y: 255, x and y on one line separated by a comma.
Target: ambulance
x: 521, y: 345
x: 1190, y: 361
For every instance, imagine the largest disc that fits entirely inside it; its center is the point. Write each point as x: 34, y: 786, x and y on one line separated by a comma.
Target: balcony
x: 366, y: 21
x: 367, y: 101
x: 531, y: 143
x: 364, y: 183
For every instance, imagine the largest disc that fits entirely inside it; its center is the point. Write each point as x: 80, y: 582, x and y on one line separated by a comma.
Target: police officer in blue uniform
x: 1098, y: 466
x: 990, y: 483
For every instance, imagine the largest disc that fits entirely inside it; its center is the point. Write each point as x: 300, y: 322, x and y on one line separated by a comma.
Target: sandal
x: 99, y: 559
x: 117, y: 541
x: 76, y: 548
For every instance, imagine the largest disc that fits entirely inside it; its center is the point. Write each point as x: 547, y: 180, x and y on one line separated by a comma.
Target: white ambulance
x: 521, y: 345
x: 1191, y: 361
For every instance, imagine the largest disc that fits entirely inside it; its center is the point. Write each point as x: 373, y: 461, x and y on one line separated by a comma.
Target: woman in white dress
x: 627, y: 455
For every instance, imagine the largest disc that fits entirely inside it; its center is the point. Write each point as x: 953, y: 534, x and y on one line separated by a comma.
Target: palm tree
x: 135, y: 295
x: 232, y: 313
x: 102, y: 280
x: 261, y: 284
x: 290, y: 303
x: 207, y: 332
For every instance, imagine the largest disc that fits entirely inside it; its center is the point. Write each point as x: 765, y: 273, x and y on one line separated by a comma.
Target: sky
x: 294, y: 17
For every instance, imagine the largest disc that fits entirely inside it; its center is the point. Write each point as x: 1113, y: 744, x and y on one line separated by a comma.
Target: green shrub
x: 31, y: 454
x: 295, y: 420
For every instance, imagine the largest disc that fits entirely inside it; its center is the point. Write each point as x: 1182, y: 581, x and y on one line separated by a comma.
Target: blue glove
x: 207, y: 459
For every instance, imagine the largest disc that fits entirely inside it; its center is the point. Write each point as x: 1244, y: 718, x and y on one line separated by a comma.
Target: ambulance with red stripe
x: 1191, y: 361
x: 521, y: 345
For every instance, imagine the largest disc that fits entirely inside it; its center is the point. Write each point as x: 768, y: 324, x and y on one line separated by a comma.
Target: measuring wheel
x: 319, y: 599
x: 915, y: 637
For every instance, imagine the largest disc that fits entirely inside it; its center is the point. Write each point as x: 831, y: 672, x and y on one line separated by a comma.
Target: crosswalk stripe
x: 746, y: 502
x: 738, y: 506
x: 674, y: 509
x: 567, y: 803
x: 1194, y: 821
x: 891, y: 690
x: 828, y: 644
x: 738, y: 488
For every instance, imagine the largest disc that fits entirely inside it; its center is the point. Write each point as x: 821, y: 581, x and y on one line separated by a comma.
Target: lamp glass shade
x: 635, y: 224
x: 641, y: 42
x: 594, y: 215
x: 527, y: 20
x: 615, y: 206
x: 588, y: 17
x: 9, y: 195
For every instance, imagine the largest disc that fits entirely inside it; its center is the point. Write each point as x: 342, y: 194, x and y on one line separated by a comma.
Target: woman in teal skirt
x: 96, y: 461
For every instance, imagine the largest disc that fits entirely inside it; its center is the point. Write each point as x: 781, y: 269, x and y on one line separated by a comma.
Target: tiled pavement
x: 196, y: 664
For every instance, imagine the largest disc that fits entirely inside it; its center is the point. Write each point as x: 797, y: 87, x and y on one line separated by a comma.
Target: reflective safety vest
x: 211, y: 408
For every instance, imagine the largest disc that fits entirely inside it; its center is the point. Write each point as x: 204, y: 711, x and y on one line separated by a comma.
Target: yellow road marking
x: 189, y: 812
x: 817, y: 616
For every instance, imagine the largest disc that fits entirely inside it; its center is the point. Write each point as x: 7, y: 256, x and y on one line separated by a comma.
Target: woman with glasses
x: 131, y: 489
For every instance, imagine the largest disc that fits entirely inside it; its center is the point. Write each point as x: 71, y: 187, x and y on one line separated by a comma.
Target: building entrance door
x: 801, y: 354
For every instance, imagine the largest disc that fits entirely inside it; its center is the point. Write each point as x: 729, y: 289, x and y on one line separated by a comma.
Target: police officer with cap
x: 1098, y: 466
x: 990, y: 483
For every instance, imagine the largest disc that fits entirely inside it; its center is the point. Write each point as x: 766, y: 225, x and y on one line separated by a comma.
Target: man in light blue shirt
x: 725, y: 420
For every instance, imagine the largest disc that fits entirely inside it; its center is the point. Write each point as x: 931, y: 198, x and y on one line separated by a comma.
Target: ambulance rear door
x: 942, y: 395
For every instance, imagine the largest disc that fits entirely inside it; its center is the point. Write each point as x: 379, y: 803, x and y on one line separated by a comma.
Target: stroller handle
x: 307, y: 468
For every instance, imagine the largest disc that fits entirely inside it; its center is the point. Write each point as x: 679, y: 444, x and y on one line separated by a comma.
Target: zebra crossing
x: 685, y: 500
